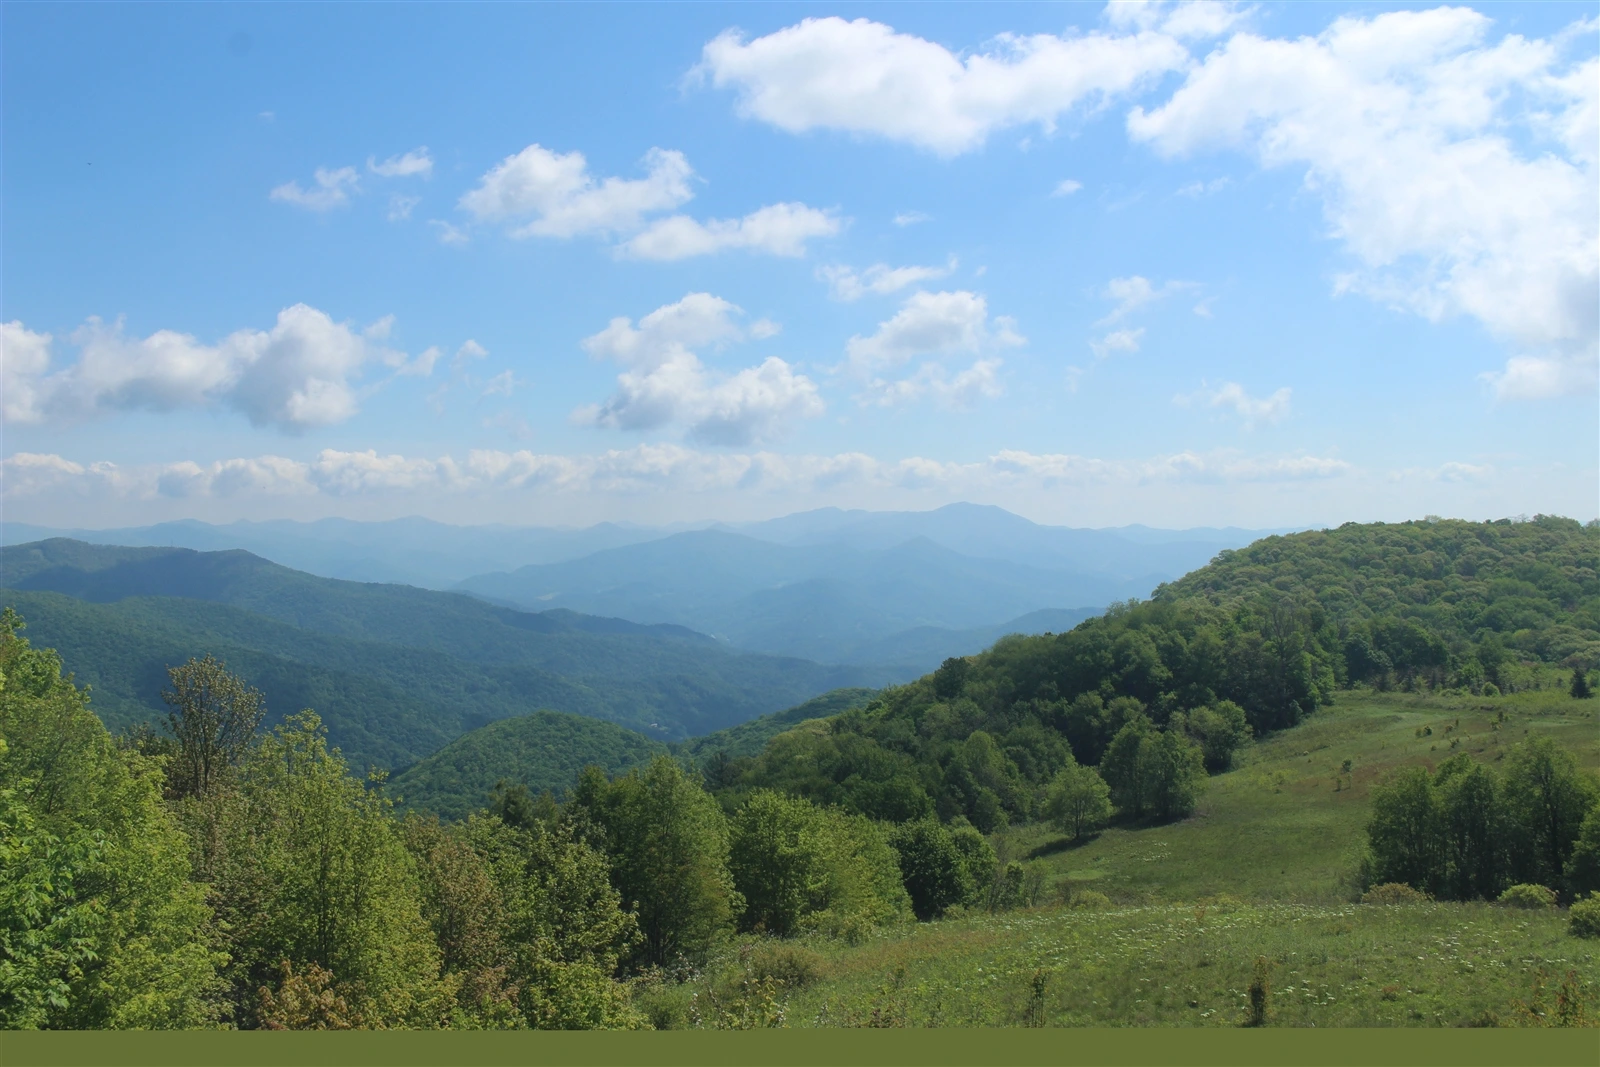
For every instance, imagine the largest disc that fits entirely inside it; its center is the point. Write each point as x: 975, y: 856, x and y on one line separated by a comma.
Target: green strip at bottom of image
x: 1114, y: 1048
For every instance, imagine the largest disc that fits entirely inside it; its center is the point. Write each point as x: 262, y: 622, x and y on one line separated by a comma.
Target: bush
x: 794, y: 965
x: 1585, y: 920
x: 1091, y: 900
x: 1394, y: 893
x: 1528, y: 897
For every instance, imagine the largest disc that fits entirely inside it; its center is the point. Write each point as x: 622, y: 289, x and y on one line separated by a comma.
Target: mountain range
x: 896, y: 590
x: 396, y: 672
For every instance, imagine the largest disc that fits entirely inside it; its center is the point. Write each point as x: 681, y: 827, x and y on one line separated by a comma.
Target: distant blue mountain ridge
x: 896, y: 590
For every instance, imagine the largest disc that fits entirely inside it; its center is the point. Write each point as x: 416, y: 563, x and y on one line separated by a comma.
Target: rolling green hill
x: 397, y: 672
x: 1278, y: 629
x: 544, y: 750
x: 1534, y: 585
x: 749, y: 738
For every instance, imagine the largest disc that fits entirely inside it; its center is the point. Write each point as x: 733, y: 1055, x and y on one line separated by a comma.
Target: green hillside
x: 749, y: 738
x: 1534, y: 585
x: 544, y: 750
x: 395, y: 671
x: 1274, y: 631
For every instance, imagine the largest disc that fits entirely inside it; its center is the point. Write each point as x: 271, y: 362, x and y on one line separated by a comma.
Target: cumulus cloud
x: 24, y: 359
x: 301, y: 373
x: 944, y: 323
x: 864, y: 78
x: 1458, y: 174
x: 1117, y: 341
x: 449, y: 233
x: 778, y: 230
x: 1135, y: 292
x: 1066, y: 187
x: 845, y: 283
x: 558, y: 197
x: 1251, y: 409
x: 417, y: 163
x: 1191, y: 19
x: 666, y: 383
x: 655, y: 467
x: 564, y: 199
x: 332, y: 189
x: 469, y: 349
x: 932, y: 327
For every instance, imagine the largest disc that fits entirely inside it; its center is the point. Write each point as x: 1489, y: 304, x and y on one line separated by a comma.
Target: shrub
x: 1394, y: 893
x: 1528, y: 897
x: 1091, y: 900
x: 1585, y: 920
x: 794, y: 965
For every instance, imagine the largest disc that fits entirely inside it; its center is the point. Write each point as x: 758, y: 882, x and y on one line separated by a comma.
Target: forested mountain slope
x: 437, y: 663
x: 1534, y: 586
x: 1250, y: 644
x: 544, y: 750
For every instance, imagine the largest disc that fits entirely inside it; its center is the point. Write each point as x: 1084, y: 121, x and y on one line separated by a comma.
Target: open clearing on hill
x: 1264, y: 868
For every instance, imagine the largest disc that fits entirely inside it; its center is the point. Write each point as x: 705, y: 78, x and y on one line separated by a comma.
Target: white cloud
x: 415, y: 163
x: 24, y: 359
x: 696, y: 321
x: 1544, y: 377
x: 332, y: 189
x: 469, y: 349
x: 1066, y: 187
x: 1251, y: 409
x: 1462, y: 472
x: 1117, y: 341
x: 298, y: 374
x: 666, y: 383
x: 422, y: 365
x: 263, y: 475
x: 1135, y: 292
x: 935, y: 324
x: 778, y: 229
x: 449, y: 234
x: 931, y: 380
x: 940, y: 326
x: 1195, y: 190
x: 502, y: 384
x: 911, y: 218
x: 862, y: 77
x: 400, y: 207
x: 663, y: 468
x: 1191, y: 19
x: 565, y: 200
x: 1459, y: 175
x: 844, y: 283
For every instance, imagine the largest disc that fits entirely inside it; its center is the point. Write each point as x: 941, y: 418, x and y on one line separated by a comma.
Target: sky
x: 1168, y: 263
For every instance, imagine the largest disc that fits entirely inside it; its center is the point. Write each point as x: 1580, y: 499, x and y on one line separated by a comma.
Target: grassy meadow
x: 1163, y: 925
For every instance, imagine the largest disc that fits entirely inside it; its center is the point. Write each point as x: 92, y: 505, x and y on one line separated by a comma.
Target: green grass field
x: 1264, y: 868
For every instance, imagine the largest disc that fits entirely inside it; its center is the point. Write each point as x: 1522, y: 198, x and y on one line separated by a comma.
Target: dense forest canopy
x: 542, y: 751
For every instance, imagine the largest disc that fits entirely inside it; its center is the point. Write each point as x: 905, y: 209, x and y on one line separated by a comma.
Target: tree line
x: 1466, y: 831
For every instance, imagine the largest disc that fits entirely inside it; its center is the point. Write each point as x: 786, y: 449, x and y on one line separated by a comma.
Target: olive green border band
x: 802, y: 1048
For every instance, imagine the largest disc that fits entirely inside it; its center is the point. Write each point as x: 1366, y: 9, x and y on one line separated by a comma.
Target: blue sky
x: 1168, y: 263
